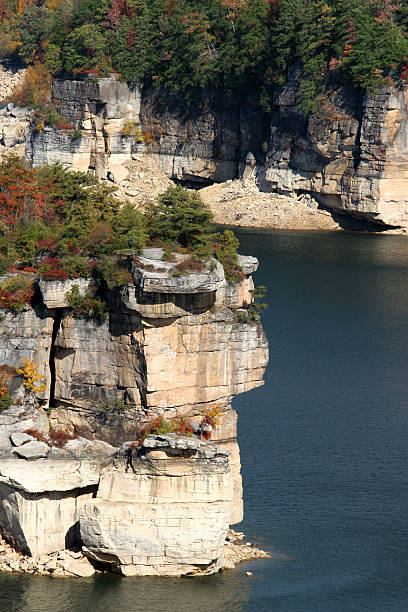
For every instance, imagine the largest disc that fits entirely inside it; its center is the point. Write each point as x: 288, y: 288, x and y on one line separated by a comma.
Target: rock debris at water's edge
x: 74, y: 564
x: 172, y: 346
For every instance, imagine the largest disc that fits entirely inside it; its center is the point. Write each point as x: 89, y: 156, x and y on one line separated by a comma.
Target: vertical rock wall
x: 349, y: 155
x: 171, y: 345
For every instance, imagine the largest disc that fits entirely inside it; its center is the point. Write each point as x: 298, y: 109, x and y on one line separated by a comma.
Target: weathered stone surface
x: 158, y: 276
x: 11, y: 78
x: 17, y: 420
x: 242, y: 202
x: 205, y: 143
x: 378, y: 187
x: 37, y: 524
x: 54, y: 292
x: 19, y: 438
x: 202, y: 358
x: 76, y: 567
x: 248, y: 264
x: 99, y: 114
x: 39, y: 504
x: 350, y: 155
x: 27, y: 335
x: 164, y: 516
x: 64, y: 470
x: 32, y: 450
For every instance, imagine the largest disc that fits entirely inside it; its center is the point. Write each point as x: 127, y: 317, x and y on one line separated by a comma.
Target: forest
x: 241, y: 47
x: 56, y: 224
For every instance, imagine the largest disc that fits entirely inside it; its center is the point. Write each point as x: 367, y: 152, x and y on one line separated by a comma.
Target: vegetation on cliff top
x: 237, y: 46
x: 58, y: 224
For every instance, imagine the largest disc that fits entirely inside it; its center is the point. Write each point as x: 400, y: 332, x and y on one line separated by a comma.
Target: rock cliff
x: 349, y: 156
x: 103, y: 128
x: 172, y: 345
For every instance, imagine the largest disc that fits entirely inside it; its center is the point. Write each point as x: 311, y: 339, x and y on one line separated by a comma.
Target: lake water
x: 324, y: 446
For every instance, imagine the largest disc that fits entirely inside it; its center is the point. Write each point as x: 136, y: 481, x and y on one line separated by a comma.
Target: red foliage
x: 72, y: 248
x: 100, y: 235
x: 51, y: 269
x: 14, y: 299
x: 118, y: 9
x: 38, y: 435
x: 47, y: 244
x: 59, y: 437
x: 20, y: 195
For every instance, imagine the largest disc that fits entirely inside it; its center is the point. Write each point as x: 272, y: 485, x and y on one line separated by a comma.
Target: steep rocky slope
x: 172, y: 345
x: 349, y: 156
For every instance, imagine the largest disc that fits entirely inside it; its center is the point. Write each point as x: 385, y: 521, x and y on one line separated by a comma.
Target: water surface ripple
x: 324, y: 446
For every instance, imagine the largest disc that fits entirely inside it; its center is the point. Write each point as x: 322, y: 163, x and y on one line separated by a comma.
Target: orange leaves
x: 20, y: 195
x: 36, y: 88
x: 22, y: 4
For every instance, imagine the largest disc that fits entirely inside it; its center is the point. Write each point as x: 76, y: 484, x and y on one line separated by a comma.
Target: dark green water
x: 324, y: 446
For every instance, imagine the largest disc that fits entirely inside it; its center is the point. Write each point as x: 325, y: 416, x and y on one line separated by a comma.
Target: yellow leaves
x: 22, y: 4
x: 132, y: 129
x: 28, y: 370
x: 215, y: 414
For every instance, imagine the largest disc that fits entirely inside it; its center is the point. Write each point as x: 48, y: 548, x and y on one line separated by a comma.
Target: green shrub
x: 111, y: 270
x: 225, y: 247
x: 181, y: 217
x: 88, y: 305
x: 5, y: 400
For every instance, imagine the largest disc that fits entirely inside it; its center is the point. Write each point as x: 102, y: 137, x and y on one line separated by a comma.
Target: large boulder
x: 164, y: 513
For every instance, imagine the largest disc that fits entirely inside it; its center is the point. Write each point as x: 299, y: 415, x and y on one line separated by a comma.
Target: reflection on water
x: 323, y: 445
x: 20, y: 593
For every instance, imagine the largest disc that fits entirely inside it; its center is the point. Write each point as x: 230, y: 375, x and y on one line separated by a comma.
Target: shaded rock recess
x: 171, y: 346
x: 349, y: 157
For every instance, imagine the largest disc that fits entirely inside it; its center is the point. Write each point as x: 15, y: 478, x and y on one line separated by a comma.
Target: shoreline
x: 74, y: 564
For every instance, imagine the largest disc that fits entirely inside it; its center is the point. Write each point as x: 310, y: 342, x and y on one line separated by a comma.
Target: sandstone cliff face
x: 202, y: 143
x: 162, y: 511
x: 171, y: 345
x: 349, y: 155
x: 99, y: 114
x: 167, y: 514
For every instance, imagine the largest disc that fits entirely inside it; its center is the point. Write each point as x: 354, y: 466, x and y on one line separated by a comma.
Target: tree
x: 180, y: 217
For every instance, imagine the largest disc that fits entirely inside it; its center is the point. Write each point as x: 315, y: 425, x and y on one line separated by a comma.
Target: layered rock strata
x: 104, y: 128
x: 349, y: 156
x: 162, y: 511
x: 165, y: 514
x: 172, y: 345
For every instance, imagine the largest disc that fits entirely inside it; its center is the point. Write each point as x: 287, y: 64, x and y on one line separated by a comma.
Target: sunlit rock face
x: 104, y: 129
x: 167, y: 513
x: 178, y: 348
x: 350, y: 155
x: 40, y: 496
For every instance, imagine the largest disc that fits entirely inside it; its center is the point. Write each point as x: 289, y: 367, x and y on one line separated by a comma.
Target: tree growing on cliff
x: 180, y: 217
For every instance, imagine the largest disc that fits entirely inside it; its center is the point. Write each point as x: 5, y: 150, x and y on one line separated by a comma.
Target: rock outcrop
x: 42, y: 490
x: 164, y: 510
x: 104, y: 130
x: 206, y: 142
x: 348, y: 157
x: 171, y: 345
x: 165, y: 514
